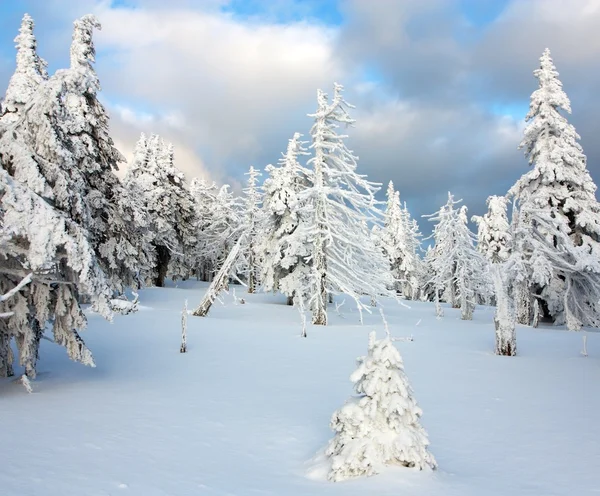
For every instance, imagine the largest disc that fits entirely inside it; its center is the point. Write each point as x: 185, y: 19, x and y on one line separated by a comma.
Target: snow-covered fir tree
x: 459, y: 270
x: 411, y: 264
x: 60, y: 150
x: 493, y: 234
x: 381, y: 425
x: 560, y: 188
x: 252, y: 222
x: 205, y: 258
x: 283, y: 248
x: 391, y: 237
x: 342, y: 203
x: 160, y: 189
x: 40, y: 242
x: 29, y: 74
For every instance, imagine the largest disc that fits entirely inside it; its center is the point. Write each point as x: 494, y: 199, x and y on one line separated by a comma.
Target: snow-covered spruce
x: 29, y: 74
x: 459, y: 271
x: 380, y: 426
x: 493, y: 234
x: 160, y: 188
x: 219, y: 226
x: 204, y: 256
x: 399, y: 240
x: 558, y: 187
x: 284, y: 248
x: 342, y: 204
x: 64, y: 153
x: 252, y: 222
x: 37, y: 239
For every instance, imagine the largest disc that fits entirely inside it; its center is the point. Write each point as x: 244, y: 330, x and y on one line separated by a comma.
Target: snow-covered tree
x: 381, y: 425
x: 205, y: 257
x: 411, y: 264
x: 284, y: 250
x: 65, y: 128
x: 493, y: 234
x: 252, y: 221
x: 29, y: 74
x: 342, y: 204
x: 391, y: 236
x: 160, y: 188
x: 558, y: 187
x: 40, y: 242
x: 59, y: 159
x: 459, y: 270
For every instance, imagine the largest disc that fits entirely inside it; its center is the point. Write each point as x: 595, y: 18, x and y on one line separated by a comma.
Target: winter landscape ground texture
x: 248, y: 407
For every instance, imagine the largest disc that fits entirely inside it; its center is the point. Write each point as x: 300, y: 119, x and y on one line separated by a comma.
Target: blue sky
x: 441, y: 87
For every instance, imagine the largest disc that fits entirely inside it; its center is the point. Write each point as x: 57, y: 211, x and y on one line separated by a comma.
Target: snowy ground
x: 245, y: 409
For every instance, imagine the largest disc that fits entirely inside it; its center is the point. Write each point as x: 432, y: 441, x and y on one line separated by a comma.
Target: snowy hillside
x: 244, y: 411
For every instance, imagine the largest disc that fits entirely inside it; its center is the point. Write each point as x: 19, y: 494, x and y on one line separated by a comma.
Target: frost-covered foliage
x: 460, y: 273
x: 569, y: 273
x: 400, y: 241
x: 560, y: 188
x: 205, y: 258
x: 65, y: 215
x: 29, y: 74
x: 251, y: 225
x: 381, y: 425
x: 60, y: 148
x: 219, y: 225
x: 493, y: 234
x: 37, y: 239
x: 284, y: 247
x: 342, y: 203
x: 160, y: 189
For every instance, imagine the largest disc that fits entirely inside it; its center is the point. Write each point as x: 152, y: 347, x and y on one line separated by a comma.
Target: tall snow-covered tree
x: 391, y: 236
x: 460, y: 271
x: 381, y: 425
x: 40, y: 242
x: 284, y: 250
x: 344, y: 257
x: 411, y: 263
x: 60, y: 151
x: 160, y: 188
x: 558, y: 187
x: 29, y: 74
x: 205, y: 200
x: 493, y: 234
x: 252, y: 221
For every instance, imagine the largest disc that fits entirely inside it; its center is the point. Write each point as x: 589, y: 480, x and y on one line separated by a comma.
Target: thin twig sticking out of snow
x: 338, y: 306
x: 184, y: 314
x: 584, y: 351
x: 387, y: 329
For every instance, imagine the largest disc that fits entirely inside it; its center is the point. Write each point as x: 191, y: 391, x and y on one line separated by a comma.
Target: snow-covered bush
x: 381, y: 425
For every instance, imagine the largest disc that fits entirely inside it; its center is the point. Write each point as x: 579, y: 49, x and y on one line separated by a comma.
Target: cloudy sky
x: 441, y: 87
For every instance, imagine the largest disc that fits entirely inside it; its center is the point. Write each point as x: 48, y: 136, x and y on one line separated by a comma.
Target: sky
x: 441, y: 87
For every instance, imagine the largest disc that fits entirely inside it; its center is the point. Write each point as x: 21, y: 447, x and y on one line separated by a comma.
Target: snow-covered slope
x: 249, y: 404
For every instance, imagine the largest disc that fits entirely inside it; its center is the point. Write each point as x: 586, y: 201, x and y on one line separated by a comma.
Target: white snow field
x: 249, y: 405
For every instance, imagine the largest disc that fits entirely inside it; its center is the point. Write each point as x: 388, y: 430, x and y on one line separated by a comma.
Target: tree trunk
x: 523, y: 303
x: 290, y: 300
x: 6, y: 356
x: 220, y: 282
x: 163, y: 256
x: 251, y: 270
x: 504, y: 318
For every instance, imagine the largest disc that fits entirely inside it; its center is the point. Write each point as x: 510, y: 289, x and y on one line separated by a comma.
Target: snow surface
x: 247, y: 407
